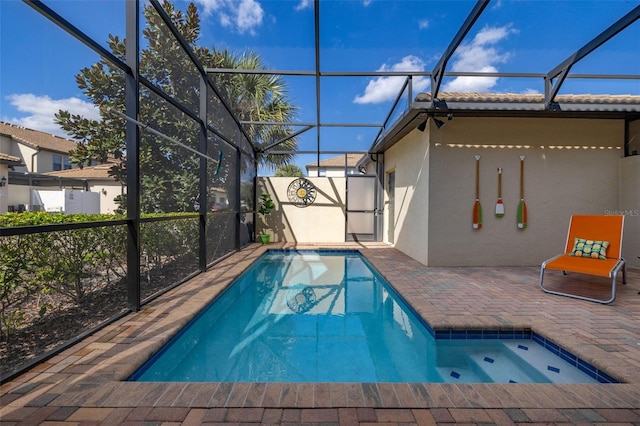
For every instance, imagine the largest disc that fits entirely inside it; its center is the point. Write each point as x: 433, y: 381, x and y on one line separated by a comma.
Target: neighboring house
x: 218, y: 199
x: 37, y: 161
x: 98, y: 181
x: 39, y: 152
x: 579, y: 158
x: 341, y: 165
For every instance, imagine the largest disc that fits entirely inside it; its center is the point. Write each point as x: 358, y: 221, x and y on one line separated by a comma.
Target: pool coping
x: 91, y: 373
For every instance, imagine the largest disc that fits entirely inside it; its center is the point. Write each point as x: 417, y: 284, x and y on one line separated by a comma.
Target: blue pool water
x: 310, y: 316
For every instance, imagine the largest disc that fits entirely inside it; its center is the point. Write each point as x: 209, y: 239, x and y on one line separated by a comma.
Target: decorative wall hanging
x: 301, y: 192
x: 522, y: 207
x: 499, y: 204
x: 477, y: 208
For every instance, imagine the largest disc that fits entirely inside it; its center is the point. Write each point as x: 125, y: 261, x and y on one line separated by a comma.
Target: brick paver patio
x: 83, y: 385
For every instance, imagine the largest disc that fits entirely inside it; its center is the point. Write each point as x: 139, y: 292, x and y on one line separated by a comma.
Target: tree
x: 289, y: 170
x: 169, y: 173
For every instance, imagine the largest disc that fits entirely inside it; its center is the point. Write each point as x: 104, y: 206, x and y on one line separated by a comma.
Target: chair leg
x: 574, y: 296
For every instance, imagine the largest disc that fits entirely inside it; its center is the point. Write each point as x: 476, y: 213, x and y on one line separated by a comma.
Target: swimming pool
x: 327, y: 316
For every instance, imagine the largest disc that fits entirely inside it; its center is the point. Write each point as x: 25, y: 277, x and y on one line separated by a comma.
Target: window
x: 61, y: 163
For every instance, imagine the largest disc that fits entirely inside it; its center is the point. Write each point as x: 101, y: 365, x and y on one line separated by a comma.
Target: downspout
x: 33, y: 158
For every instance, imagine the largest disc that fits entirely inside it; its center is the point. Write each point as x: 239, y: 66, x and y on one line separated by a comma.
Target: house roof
x: 99, y: 172
x: 36, y: 139
x: 530, y: 102
x: 352, y: 160
x: 10, y: 159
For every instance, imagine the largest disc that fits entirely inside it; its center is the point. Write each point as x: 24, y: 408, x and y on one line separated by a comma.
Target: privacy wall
x: 571, y: 166
x: 321, y: 222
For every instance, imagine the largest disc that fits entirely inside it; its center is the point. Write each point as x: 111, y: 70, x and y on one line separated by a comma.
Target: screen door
x: 361, y: 208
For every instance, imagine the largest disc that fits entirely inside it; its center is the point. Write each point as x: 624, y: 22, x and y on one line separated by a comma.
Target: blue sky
x: 39, y: 61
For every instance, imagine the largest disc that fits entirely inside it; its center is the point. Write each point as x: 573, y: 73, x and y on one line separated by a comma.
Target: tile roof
x: 582, y: 101
x: 530, y: 97
x: 9, y: 159
x: 352, y: 160
x: 37, y: 139
x: 100, y: 171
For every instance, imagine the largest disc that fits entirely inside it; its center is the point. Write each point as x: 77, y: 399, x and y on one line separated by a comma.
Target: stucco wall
x: 108, y: 191
x: 323, y: 221
x: 558, y: 183
x: 27, y: 154
x: 410, y: 162
x: 630, y: 207
x: 18, y: 194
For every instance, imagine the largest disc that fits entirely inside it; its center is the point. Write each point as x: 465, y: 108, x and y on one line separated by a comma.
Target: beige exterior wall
x: 108, y: 191
x: 630, y: 207
x: 26, y: 154
x: 18, y: 194
x: 44, y: 161
x: 558, y: 183
x: 323, y: 221
x: 410, y: 162
x: 35, y: 161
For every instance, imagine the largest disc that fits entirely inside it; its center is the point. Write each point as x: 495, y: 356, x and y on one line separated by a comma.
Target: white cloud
x: 41, y: 110
x: 304, y: 4
x: 382, y: 89
x: 243, y: 15
x: 423, y: 24
x: 480, y: 55
x: 531, y: 92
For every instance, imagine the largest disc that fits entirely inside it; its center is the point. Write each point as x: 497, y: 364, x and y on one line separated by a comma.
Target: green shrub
x: 16, y: 281
x: 67, y: 262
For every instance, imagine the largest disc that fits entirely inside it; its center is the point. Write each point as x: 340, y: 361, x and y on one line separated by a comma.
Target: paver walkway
x: 83, y: 385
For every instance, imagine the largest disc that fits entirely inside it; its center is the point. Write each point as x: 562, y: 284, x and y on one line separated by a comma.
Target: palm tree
x: 289, y: 170
x: 257, y: 98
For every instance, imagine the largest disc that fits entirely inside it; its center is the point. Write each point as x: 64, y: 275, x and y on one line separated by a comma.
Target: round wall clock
x: 301, y: 192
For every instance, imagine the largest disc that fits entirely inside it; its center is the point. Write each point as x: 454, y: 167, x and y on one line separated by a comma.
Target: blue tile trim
x: 452, y: 334
x: 582, y: 365
x: 312, y: 251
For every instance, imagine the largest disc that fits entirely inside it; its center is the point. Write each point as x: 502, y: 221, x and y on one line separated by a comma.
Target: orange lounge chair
x: 585, y: 252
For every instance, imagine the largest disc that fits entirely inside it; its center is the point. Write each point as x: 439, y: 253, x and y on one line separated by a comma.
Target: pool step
x: 488, y: 366
x: 549, y: 365
x: 509, y: 362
